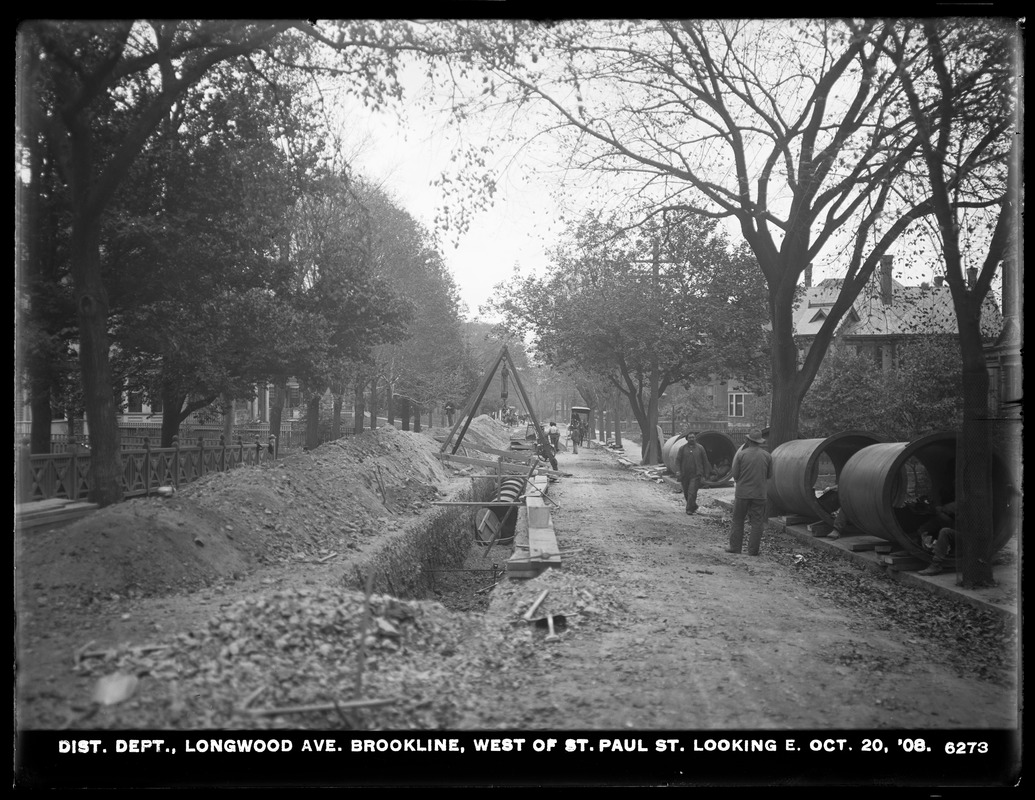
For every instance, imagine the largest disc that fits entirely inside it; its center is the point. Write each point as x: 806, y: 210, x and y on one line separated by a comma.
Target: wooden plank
x: 55, y: 519
x: 538, y: 513
x: 508, y: 468
x: 908, y: 564
x: 819, y: 528
x: 472, y: 503
x: 542, y: 544
x: 796, y: 519
x: 62, y: 509
x: 867, y: 543
x: 41, y: 506
x: 885, y: 548
x: 518, y: 456
x: 901, y: 559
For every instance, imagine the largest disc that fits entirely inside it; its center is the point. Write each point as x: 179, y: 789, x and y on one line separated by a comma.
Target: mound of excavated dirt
x: 342, y: 496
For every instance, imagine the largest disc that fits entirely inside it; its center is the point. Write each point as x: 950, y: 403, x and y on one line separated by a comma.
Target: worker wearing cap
x: 693, y: 469
x: 752, y: 468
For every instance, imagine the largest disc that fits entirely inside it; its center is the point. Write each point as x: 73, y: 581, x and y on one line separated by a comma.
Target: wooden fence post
x: 176, y: 461
x: 201, y: 456
x: 258, y: 450
x: 222, y: 452
x: 240, y: 450
x: 273, y: 446
x: 147, y: 466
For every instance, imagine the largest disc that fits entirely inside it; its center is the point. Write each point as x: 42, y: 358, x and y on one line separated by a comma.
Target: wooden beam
x: 473, y: 405
x: 524, y: 397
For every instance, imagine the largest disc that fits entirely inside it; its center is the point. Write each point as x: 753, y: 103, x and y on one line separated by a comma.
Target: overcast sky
x: 408, y: 159
x: 525, y: 219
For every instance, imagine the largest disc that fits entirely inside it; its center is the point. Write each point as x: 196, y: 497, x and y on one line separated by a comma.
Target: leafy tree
x: 334, y: 281
x: 100, y: 90
x: 920, y: 395
x: 195, y: 231
x: 425, y: 363
x: 643, y: 310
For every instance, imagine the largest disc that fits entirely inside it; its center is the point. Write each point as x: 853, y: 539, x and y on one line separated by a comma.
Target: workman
x: 752, y: 469
x: 693, y: 470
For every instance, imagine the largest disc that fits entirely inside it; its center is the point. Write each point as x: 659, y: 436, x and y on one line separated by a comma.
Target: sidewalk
x: 1003, y: 598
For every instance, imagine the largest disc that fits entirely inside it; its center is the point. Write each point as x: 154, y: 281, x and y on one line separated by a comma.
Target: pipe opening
x: 892, y: 491
x: 807, y: 473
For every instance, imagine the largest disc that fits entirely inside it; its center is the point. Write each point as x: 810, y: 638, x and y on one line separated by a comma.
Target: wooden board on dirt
x: 864, y: 543
x: 819, y: 528
x: 796, y: 519
x: 905, y: 563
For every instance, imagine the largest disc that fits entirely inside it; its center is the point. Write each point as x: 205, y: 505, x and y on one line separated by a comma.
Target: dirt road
x: 715, y: 640
x: 663, y: 633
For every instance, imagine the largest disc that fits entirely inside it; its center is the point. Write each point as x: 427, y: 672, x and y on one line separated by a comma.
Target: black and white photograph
x: 482, y: 401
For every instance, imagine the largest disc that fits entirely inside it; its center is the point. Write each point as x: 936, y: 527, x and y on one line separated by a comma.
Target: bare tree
x: 961, y: 81
x: 795, y: 130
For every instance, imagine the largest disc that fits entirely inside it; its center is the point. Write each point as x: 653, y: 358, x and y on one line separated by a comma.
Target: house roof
x: 914, y: 310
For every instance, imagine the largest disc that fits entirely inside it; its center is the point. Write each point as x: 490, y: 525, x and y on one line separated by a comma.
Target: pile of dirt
x: 341, y: 498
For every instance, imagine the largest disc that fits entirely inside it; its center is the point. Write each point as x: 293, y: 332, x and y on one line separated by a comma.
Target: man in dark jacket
x: 752, y: 468
x: 546, y: 453
x: 693, y: 469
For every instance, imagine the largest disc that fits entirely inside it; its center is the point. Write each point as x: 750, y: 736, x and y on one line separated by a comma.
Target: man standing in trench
x: 752, y: 468
x: 693, y: 469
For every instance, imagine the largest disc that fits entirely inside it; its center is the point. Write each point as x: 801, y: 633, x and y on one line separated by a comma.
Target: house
x: 885, y: 316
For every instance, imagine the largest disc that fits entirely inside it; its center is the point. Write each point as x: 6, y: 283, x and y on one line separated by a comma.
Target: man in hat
x: 752, y: 468
x: 693, y: 469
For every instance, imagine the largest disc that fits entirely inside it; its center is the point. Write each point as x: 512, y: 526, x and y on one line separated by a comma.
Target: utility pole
x: 652, y: 453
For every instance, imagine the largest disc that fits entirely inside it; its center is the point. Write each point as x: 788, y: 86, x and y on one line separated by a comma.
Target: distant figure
x: 752, y: 468
x: 555, y: 436
x: 693, y: 470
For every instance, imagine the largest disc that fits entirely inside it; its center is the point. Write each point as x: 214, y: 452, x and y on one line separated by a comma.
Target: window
x: 136, y: 402
x: 736, y: 404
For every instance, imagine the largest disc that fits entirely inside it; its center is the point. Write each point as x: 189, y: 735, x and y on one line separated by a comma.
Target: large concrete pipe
x: 719, y: 447
x: 792, y: 489
x: 876, y: 483
x: 497, y: 522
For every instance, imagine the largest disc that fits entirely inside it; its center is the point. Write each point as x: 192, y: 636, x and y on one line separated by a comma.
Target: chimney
x: 808, y: 276
x: 939, y: 280
x: 971, y: 276
x: 886, y: 291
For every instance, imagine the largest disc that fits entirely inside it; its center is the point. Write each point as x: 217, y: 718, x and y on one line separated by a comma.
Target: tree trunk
x: 389, y: 403
x: 373, y: 405
x: 974, y: 521
x: 172, y: 403
x: 312, y: 423
x: 652, y: 446
x: 404, y: 411
x: 416, y: 417
x: 618, y: 420
x: 94, y: 347
x: 42, y: 413
x: 277, y: 408
x: 359, y: 407
x: 336, y: 417
x: 228, y: 419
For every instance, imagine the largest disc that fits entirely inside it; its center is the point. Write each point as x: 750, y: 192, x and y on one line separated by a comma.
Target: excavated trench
x: 440, y: 556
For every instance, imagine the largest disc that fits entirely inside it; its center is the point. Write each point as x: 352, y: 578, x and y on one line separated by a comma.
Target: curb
x: 943, y: 584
